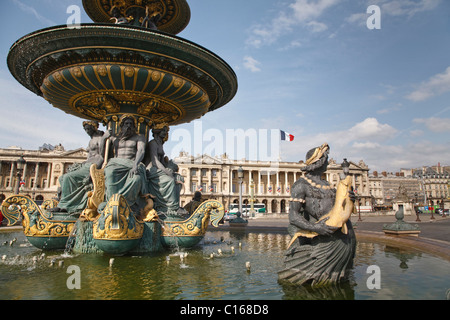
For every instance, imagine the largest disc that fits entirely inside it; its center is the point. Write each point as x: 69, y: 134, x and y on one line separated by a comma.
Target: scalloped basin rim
x: 115, y: 26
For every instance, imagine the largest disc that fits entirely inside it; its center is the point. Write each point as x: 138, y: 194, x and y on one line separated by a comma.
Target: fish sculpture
x: 338, y: 215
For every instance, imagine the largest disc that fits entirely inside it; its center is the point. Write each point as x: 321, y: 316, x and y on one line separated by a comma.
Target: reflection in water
x: 205, y: 274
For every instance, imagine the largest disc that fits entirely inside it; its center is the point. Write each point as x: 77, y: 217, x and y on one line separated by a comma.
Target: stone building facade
x: 217, y: 178
x: 43, y: 167
x: 423, y: 186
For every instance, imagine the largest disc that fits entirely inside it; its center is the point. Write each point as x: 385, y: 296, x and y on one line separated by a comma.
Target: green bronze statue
x: 75, y: 184
x: 319, y: 253
x: 125, y: 173
x: 164, y: 182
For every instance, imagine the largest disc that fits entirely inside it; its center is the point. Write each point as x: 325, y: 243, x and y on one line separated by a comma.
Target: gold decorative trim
x: 316, y: 185
x: 318, y: 153
x: 115, y: 222
x: 35, y: 222
x: 196, y: 225
x: 297, y: 200
x: 96, y: 196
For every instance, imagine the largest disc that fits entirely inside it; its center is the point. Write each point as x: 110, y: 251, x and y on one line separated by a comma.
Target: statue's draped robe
x: 164, y: 188
x: 74, y: 187
x: 120, y: 179
x: 320, y: 260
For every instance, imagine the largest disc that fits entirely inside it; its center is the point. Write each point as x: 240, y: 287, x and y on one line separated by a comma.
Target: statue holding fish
x: 323, y: 241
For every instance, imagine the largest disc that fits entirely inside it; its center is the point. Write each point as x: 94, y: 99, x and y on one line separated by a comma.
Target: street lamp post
x: 414, y: 206
x: 20, y: 165
x: 346, y: 167
x: 241, y: 177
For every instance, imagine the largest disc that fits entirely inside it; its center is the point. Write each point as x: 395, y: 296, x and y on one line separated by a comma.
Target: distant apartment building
x: 424, y: 185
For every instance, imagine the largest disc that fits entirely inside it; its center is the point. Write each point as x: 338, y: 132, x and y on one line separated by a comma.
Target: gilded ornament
x: 76, y: 71
x: 96, y: 196
x: 102, y: 70
x: 58, y: 76
x: 36, y: 223
x: 196, y: 225
x: 91, y: 123
x: 116, y: 222
x: 178, y: 82
x: 194, y: 90
x: 316, y: 185
x: 156, y: 75
x: 159, y: 126
x: 129, y: 72
x: 148, y: 106
x: 318, y: 152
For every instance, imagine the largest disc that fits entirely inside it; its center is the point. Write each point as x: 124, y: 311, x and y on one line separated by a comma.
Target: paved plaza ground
x: 438, y: 229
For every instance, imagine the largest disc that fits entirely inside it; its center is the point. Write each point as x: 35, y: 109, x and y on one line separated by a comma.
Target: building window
x: 214, y: 172
x: 193, y: 172
x: 193, y: 187
x: 203, y: 172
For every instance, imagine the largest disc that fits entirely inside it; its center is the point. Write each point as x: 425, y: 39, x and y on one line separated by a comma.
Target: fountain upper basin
x: 103, y: 69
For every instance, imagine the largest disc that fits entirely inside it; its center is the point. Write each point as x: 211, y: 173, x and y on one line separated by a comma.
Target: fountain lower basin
x: 216, y: 270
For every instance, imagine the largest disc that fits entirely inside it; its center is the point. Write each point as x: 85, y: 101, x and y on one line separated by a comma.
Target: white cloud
x: 394, y: 8
x: 416, y: 133
x: 299, y: 13
x: 366, y: 140
x: 436, y: 85
x: 315, y: 26
x: 407, y: 7
x: 435, y: 124
x: 371, y: 129
x: 291, y: 45
x: 358, y: 18
x: 307, y: 10
x: 251, y: 64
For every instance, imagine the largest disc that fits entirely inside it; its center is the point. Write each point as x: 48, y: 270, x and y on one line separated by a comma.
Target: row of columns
x: 13, y: 174
x: 225, y: 182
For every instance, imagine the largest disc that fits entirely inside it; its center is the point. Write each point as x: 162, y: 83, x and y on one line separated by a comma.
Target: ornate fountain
x: 128, y: 65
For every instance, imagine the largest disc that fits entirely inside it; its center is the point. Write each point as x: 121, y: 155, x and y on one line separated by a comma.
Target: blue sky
x: 309, y: 67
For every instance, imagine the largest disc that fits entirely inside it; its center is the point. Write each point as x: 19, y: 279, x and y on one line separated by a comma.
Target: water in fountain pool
x: 203, y: 273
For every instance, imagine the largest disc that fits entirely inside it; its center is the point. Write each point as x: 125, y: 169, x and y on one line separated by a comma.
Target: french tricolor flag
x: 286, y: 136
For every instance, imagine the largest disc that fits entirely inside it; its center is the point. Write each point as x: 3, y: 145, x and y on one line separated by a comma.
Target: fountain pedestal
x: 400, y: 227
